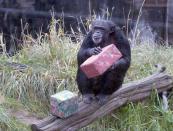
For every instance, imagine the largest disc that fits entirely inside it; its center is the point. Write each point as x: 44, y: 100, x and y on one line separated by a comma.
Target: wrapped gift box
x: 97, y: 64
x: 64, y: 104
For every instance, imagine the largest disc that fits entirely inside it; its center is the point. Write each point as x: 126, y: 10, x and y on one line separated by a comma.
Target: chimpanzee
x: 103, y: 33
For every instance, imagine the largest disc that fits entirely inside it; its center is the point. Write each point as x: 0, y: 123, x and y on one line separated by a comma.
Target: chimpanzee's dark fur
x: 112, y: 79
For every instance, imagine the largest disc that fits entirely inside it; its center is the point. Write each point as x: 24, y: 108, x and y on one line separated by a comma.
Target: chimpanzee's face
x: 98, y: 35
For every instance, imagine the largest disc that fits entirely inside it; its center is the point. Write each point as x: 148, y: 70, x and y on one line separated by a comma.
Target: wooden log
x: 131, y: 92
x: 44, y: 122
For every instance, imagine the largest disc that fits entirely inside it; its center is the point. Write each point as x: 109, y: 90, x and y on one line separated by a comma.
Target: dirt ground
x: 23, y: 116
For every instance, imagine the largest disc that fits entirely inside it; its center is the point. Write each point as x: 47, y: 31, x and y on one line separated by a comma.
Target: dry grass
x: 51, y: 67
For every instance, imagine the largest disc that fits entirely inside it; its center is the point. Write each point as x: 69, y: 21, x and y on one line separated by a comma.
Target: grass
x: 51, y: 67
x: 10, y: 123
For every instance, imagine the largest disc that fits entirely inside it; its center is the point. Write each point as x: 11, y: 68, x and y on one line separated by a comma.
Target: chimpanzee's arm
x: 123, y: 45
x: 83, y: 51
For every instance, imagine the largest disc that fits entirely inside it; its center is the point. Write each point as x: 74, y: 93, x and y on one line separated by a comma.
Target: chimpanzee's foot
x: 102, y: 98
x: 88, y: 98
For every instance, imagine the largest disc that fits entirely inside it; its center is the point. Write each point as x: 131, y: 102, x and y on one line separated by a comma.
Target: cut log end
x: 160, y: 68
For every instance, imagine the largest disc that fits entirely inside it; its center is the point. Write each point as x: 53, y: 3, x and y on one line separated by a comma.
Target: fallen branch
x: 131, y: 92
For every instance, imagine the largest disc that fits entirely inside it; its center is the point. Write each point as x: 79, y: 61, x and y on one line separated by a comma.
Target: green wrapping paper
x: 64, y: 104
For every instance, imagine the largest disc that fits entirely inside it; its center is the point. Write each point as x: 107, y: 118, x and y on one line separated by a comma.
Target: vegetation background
x: 49, y: 66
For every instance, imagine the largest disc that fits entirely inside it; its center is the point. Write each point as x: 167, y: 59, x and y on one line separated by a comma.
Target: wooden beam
x: 36, y: 13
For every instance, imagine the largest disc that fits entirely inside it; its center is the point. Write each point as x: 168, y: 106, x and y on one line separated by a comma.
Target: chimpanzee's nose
x: 97, y: 35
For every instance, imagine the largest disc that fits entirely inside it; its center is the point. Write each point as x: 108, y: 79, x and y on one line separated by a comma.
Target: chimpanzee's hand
x: 94, y: 51
x: 114, y: 65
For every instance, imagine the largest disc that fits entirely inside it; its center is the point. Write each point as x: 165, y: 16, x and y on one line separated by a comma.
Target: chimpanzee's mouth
x: 97, y: 40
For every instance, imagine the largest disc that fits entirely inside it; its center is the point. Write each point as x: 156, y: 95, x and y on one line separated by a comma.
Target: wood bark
x: 87, y: 113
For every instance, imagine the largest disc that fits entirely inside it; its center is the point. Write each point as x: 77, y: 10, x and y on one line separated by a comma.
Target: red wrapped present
x: 97, y: 64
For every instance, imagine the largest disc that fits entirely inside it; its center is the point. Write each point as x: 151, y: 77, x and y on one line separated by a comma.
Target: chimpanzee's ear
x: 112, y: 29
